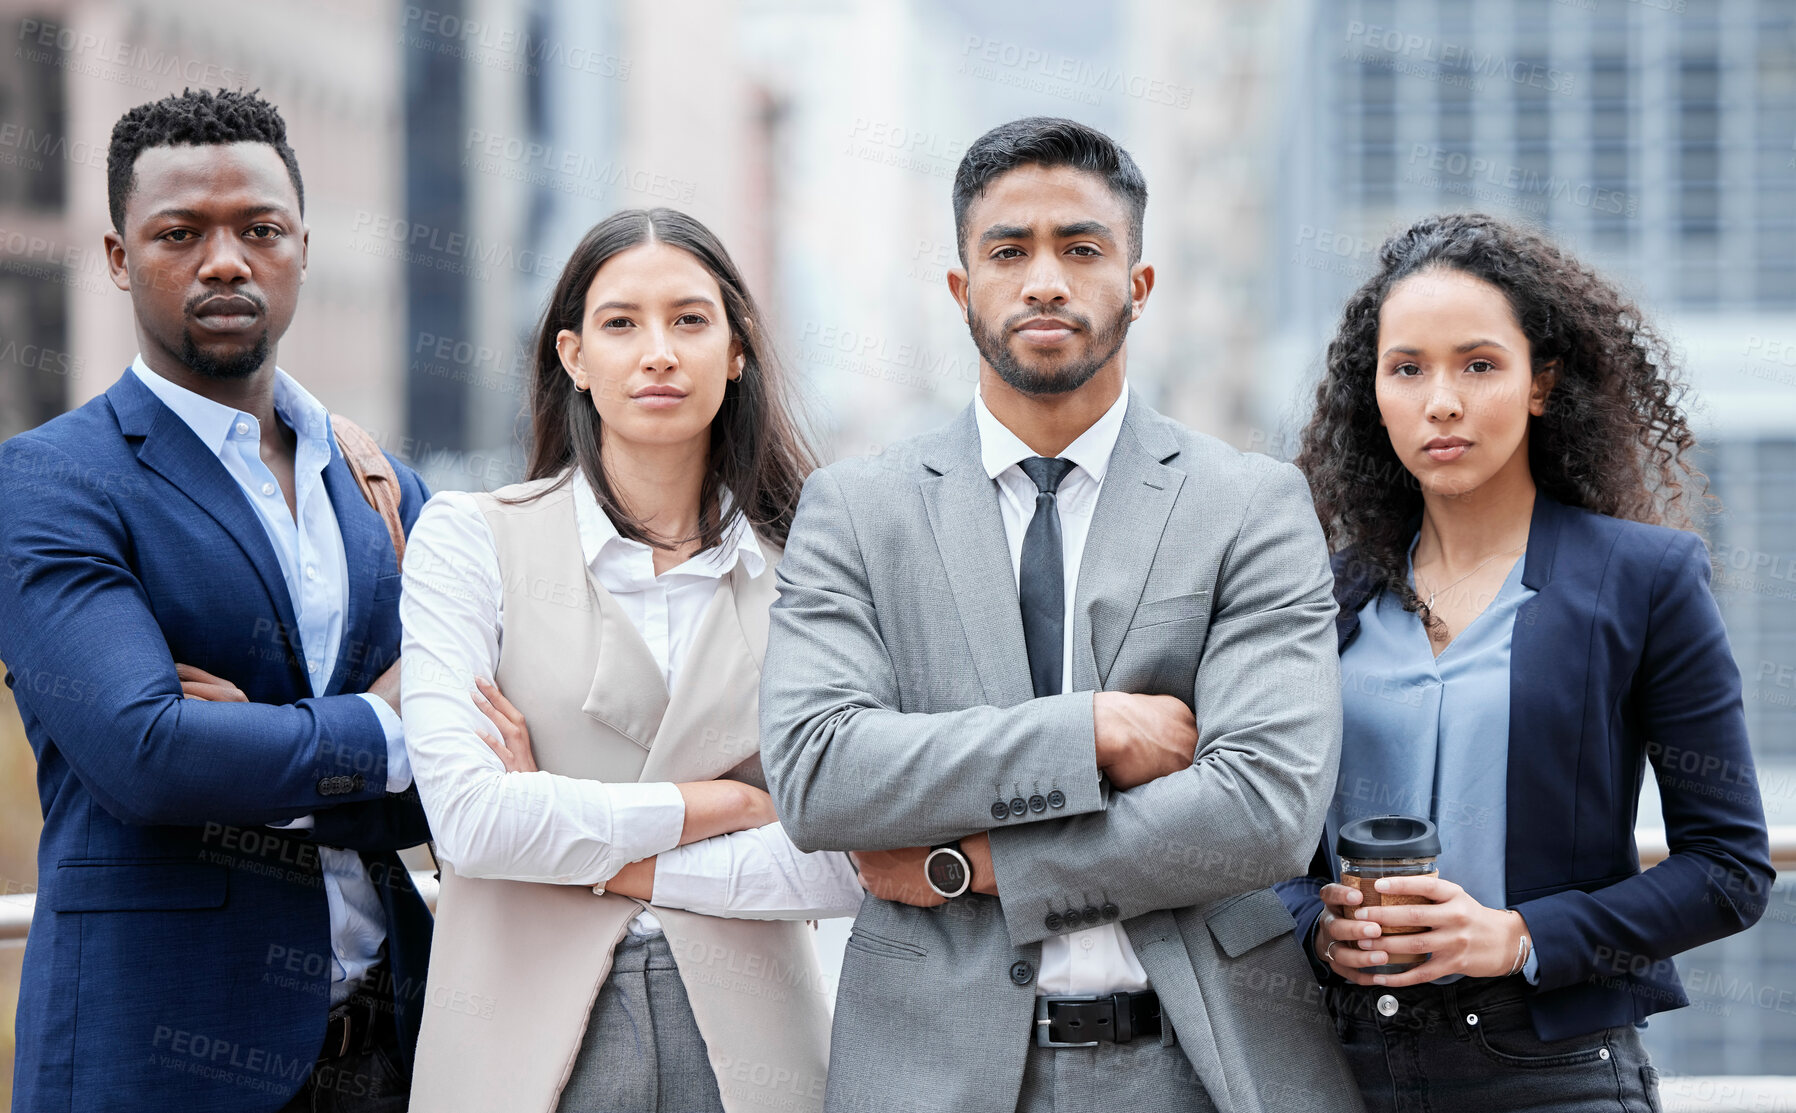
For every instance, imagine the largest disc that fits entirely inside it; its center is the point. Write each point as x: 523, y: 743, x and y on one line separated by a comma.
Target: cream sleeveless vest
x: 516, y: 966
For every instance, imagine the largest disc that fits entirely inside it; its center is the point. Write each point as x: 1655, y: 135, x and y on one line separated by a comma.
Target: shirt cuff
x: 757, y: 875
x: 646, y: 819
x: 399, y: 763
x: 1531, y: 968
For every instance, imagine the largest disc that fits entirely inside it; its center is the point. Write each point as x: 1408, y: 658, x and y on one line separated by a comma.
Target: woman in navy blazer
x: 1498, y: 459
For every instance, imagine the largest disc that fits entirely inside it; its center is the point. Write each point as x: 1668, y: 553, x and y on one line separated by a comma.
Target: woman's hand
x: 202, y: 685
x: 1460, y: 935
x: 510, y: 738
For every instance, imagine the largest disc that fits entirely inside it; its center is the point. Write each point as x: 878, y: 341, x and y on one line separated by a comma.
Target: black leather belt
x: 1086, y: 1021
x: 355, y: 1023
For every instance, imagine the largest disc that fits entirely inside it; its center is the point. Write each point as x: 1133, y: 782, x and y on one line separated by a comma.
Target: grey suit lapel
x: 1133, y: 507
x: 962, y: 502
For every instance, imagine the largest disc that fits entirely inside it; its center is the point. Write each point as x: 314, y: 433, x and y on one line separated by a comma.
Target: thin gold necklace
x: 1473, y: 572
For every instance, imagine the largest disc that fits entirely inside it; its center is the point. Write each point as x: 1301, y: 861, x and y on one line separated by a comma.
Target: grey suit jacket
x: 897, y: 710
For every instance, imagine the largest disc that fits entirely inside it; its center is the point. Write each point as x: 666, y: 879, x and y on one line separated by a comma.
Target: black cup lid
x: 1389, y: 836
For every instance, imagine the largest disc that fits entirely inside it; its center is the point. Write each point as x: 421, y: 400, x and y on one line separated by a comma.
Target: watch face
x: 947, y: 872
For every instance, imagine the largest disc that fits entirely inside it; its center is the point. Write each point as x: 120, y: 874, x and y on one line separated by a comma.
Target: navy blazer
x: 1618, y: 662
x: 180, y: 952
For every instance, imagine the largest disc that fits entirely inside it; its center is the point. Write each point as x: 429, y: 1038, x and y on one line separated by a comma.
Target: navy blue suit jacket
x: 180, y: 953
x: 1618, y: 663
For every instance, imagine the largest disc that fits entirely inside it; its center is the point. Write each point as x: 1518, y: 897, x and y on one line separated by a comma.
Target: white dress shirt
x: 313, y: 563
x: 566, y: 830
x: 1095, y: 959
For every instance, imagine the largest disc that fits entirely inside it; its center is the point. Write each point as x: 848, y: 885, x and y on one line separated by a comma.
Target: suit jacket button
x: 333, y: 786
x: 1052, y: 922
x: 1110, y: 911
x: 1000, y: 810
x: 1057, y: 799
x: 1018, y: 806
x: 1092, y: 916
x: 1073, y: 918
x: 1038, y: 803
x: 1022, y: 973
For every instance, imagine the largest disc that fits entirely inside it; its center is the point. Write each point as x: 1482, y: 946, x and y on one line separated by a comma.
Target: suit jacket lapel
x: 962, y: 503
x: 368, y: 551
x: 1548, y: 651
x: 628, y: 692
x: 711, y: 725
x: 1131, y: 514
x: 170, y: 449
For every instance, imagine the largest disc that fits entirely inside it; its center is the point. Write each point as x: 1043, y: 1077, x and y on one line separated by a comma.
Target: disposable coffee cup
x: 1388, y: 846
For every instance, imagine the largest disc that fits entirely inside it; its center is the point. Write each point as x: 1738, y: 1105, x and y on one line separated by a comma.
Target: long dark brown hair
x: 1613, y: 438
x: 757, y: 453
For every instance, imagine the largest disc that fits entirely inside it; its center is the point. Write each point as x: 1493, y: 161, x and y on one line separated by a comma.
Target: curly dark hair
x: 1613, y: 438
x: 194, y: 118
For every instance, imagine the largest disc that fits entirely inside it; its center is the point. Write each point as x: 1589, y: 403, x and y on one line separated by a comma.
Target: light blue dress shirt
x: 1429, y: 736
x: 313, y: 563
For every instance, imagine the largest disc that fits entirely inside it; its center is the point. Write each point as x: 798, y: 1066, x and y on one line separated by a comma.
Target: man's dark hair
x: 1048, y: 141
x: 194, y: 118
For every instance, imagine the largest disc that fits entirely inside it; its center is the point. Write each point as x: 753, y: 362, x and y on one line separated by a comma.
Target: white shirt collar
x: 214, y: 423
x: 999, y: 448
x: 599, y: 538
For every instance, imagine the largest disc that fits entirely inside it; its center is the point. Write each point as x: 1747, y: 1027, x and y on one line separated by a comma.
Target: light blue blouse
x: 1427, y: 735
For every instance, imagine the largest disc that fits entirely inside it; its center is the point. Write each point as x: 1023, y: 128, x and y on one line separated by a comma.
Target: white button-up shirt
x: 1095, y: 959
x: 567, y: 830
x: 316, y: 571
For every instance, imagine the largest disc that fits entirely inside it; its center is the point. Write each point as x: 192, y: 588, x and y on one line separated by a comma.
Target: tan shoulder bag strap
x: 374, y: 475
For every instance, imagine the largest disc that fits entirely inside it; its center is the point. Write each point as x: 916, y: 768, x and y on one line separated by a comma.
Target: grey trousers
x: 642, y: 1052
x: 1142, y: 1076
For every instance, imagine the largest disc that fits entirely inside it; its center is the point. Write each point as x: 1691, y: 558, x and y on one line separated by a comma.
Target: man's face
x: 1048, y: 291
x: 213, y: 255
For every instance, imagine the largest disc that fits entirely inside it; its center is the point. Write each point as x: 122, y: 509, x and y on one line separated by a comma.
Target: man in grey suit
x: 995, y: 649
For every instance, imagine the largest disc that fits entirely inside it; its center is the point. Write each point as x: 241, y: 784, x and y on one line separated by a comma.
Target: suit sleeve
x: 1302, y: 898
x: 847, y: 769
x: 1249, y: 809
x: 1718, y: 876
x: 89, y: 662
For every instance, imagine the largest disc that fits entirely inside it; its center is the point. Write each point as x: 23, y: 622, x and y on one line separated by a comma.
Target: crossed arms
x: 91, y: 666
x: 850, y: 772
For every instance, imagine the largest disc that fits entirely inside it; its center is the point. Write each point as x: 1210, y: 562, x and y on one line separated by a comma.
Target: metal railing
x: 15, y: 908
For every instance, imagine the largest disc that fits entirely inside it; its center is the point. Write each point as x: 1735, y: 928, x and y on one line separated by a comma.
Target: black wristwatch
x: 947, y: 870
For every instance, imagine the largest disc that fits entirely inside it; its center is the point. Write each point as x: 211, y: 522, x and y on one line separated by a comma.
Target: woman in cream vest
x: 621, y: 919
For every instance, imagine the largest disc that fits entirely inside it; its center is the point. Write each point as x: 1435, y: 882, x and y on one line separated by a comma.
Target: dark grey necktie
x: 1041, y: 578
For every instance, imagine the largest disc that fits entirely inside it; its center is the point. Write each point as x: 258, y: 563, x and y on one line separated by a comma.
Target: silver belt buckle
x: 1043, y: 1024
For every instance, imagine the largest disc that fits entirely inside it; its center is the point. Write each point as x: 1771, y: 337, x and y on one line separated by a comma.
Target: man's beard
x: 240, y: 364
x: 994, y: 348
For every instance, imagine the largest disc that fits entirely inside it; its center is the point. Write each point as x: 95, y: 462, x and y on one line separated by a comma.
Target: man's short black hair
x: 1048, y: 141
x: 194, y: 118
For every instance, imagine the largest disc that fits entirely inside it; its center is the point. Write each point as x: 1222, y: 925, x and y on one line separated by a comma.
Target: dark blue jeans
x: 1469, y: 1045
